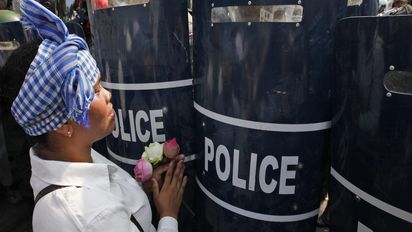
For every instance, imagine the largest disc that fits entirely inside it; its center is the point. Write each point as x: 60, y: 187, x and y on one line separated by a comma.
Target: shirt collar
x: 80, y: 174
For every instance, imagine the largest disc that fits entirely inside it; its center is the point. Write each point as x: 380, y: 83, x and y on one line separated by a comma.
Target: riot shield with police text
x: 371, y: 183
x: 142, y: 50
x: 262, y: 99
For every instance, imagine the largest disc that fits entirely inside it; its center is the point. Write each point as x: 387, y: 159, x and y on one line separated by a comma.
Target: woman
x: 62, y: 103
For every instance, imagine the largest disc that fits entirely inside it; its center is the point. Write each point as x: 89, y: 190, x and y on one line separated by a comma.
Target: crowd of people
x: 397, y: 7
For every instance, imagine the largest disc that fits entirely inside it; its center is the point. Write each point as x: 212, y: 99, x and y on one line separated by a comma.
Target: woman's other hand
x: 168, y: 198
x: 158, y: 175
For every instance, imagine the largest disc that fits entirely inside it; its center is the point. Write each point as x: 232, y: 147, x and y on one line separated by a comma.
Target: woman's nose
x: 108, y: 95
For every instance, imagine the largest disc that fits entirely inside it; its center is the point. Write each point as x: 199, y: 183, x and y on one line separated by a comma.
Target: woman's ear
x: 66, y: 130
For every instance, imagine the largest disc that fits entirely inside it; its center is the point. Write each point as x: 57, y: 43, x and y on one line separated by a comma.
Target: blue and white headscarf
x: 59, y: 83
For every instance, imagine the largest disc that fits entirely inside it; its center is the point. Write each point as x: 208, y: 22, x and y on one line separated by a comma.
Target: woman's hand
x: 158, y: 174
x: 168, y: 198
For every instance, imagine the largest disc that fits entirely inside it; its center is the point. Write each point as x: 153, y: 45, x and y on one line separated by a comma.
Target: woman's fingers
x: 177, y: 180
x: 169, y: 173
x: 180, y: 157
x: 157, y: 173
x: 155, y: 188
x: 169, y: 198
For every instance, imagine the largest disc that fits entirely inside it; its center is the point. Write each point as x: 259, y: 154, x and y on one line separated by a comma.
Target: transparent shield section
x: 9, y: 45
x: 267, y: 13
x: 399, y: 82
x: 101, y: 4
x: 355, y: 2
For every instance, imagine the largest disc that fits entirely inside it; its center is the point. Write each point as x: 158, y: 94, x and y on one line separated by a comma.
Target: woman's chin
x: 104, y: 135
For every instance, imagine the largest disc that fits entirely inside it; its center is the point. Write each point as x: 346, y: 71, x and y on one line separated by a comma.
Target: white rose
x: 153, y: 153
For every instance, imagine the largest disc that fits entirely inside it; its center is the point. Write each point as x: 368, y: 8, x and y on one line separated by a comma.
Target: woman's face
x: 101, y: 114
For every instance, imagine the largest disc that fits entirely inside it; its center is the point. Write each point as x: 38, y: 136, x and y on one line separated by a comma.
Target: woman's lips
x: 112, y: 114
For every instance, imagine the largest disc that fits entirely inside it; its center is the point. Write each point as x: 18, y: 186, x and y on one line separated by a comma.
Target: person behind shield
x: 62, y: 103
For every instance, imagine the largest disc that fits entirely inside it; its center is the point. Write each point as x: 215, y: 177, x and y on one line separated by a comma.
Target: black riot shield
x: 371, y: 183
x: 11, y: 37
x: 142, y: 50
x: 262, y: 99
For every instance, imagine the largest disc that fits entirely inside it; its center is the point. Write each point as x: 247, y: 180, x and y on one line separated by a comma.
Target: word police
x: 139, y: 123
x: 266, y: 181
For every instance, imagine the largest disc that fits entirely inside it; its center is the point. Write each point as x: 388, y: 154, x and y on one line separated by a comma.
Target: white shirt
x: 107, y: 197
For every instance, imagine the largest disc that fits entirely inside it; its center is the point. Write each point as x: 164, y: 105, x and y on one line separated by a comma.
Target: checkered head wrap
x: 59, y: 83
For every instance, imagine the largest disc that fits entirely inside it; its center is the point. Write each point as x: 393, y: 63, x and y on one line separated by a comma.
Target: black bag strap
x: 53, y: 187
x: 46, y: 191
x: 136, y: 223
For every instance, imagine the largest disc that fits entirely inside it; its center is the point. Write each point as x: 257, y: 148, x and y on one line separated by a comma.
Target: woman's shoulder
x: 74, y: 208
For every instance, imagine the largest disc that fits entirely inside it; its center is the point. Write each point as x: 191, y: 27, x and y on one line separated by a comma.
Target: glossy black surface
x: 371, y: 140
x: 147, y: 44
x: 264, y: 72
x: 9, y: 32
x: 12, y: 31
x: 137, y: 44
